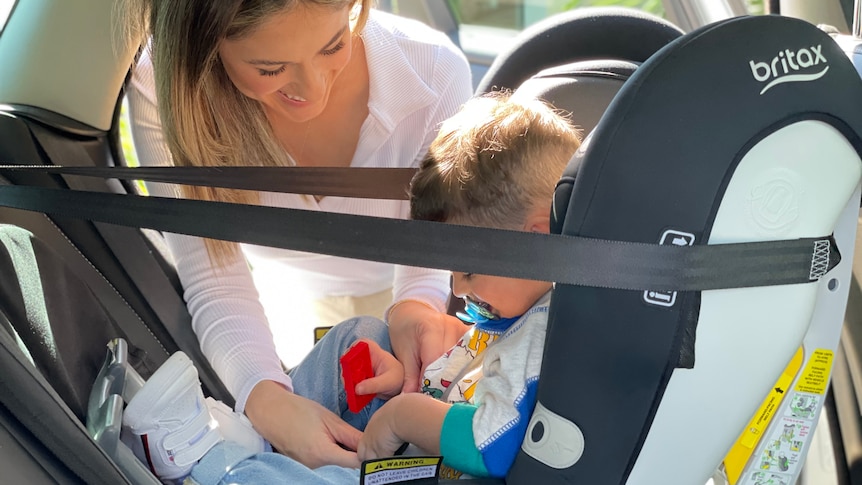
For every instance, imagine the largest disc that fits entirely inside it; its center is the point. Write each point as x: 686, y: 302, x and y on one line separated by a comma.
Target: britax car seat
x: 744, y: 130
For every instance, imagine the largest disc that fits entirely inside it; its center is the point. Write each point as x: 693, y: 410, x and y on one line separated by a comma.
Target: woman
x: 307, y: 83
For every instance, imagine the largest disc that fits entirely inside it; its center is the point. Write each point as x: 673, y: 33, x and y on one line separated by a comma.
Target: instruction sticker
x: 414, y: 469
x: 741, y: 452
x: 815, y: 377
x: 781, y: 452
x: 780, y: 461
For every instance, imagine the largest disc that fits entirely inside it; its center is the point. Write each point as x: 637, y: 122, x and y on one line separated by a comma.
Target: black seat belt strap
x: 563, y: 259
x: 358, y: 182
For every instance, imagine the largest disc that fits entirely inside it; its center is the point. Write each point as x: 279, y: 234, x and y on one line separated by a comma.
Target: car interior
x: 714, y: 204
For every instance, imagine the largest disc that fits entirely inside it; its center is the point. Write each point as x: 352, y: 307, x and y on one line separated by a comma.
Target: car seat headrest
x: 577, y: 35
x: 584, y: 89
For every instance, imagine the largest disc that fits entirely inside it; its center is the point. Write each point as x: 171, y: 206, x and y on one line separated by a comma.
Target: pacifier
x: 475, y: 313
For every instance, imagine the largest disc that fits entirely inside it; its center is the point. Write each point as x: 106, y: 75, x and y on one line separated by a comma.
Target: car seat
x: 582, y: 89
x: 594, y: 33
x: 707, y: 143
x: 51, y: 349
x: 632, y: 375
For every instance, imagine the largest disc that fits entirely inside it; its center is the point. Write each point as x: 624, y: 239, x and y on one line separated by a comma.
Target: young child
x: 494, y: 164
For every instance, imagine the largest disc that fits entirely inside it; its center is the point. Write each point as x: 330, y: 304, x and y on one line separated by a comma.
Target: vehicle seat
x: 57, y: 320
x: 595, y: 33
x: 700, y: 146
x: 584, y: 89
x: 52, y: 346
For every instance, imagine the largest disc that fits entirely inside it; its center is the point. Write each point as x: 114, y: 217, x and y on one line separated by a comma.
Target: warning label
x: 738, y: 456
x: 815, y: 377
x: 397, y: 470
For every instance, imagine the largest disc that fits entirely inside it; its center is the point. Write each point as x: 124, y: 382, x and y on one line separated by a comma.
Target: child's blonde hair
x: 492, y: 162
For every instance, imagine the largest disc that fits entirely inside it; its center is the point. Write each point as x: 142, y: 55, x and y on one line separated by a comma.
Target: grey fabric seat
x: 584, y: 88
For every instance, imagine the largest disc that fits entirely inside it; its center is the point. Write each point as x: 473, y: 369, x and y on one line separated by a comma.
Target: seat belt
x: 547, y: 257
x: 359, y: 182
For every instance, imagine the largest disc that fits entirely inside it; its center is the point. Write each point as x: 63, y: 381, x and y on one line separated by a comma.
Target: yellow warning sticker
x: 815, y: 377
x: 319, y: 332
x: 738, y: 456
x: 400, y: 469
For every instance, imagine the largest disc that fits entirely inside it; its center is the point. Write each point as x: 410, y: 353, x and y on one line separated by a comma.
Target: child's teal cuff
x: 457, y: 444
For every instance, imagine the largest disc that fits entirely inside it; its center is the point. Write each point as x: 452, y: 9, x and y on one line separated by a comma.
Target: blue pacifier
x: 475, y: 314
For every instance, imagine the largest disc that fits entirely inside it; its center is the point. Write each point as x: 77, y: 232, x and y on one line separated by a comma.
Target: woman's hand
x: 388, y: 373
x: 419, y: 336
x: 301, y: 428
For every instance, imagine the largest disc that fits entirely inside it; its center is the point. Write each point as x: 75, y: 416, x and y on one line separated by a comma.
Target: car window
x: 5, y: 10
x: 484, y: 28
x: 519, y: 14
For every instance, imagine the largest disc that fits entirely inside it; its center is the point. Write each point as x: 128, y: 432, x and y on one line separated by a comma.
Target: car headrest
x: 578, y: 35
x: 584, y: 89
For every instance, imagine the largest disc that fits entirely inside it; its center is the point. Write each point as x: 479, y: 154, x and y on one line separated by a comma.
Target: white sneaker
x: 171, y: 419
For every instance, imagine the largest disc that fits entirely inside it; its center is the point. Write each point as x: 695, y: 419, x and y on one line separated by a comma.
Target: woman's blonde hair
x: 205, y: 119
x: 493, y: 162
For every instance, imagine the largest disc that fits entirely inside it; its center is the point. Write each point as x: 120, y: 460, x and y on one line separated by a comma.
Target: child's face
x: 507, y: 297
x: 504, y: 297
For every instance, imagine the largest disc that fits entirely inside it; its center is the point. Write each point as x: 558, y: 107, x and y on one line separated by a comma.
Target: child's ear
x: 539, y: 220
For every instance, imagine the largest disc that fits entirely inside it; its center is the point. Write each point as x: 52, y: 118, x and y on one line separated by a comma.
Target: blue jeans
x: 317, y: 377
x: 230, y: 463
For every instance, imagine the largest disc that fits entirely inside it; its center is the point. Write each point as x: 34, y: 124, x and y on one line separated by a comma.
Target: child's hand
x: 380, y: 439
x: 412, y: 418
x: 388, y: 374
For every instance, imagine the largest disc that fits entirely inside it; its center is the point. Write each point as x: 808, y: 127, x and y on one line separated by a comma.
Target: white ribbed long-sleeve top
x: 418, y: 78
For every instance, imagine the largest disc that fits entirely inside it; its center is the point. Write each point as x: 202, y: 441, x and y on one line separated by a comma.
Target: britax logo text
x: 784, y: 67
